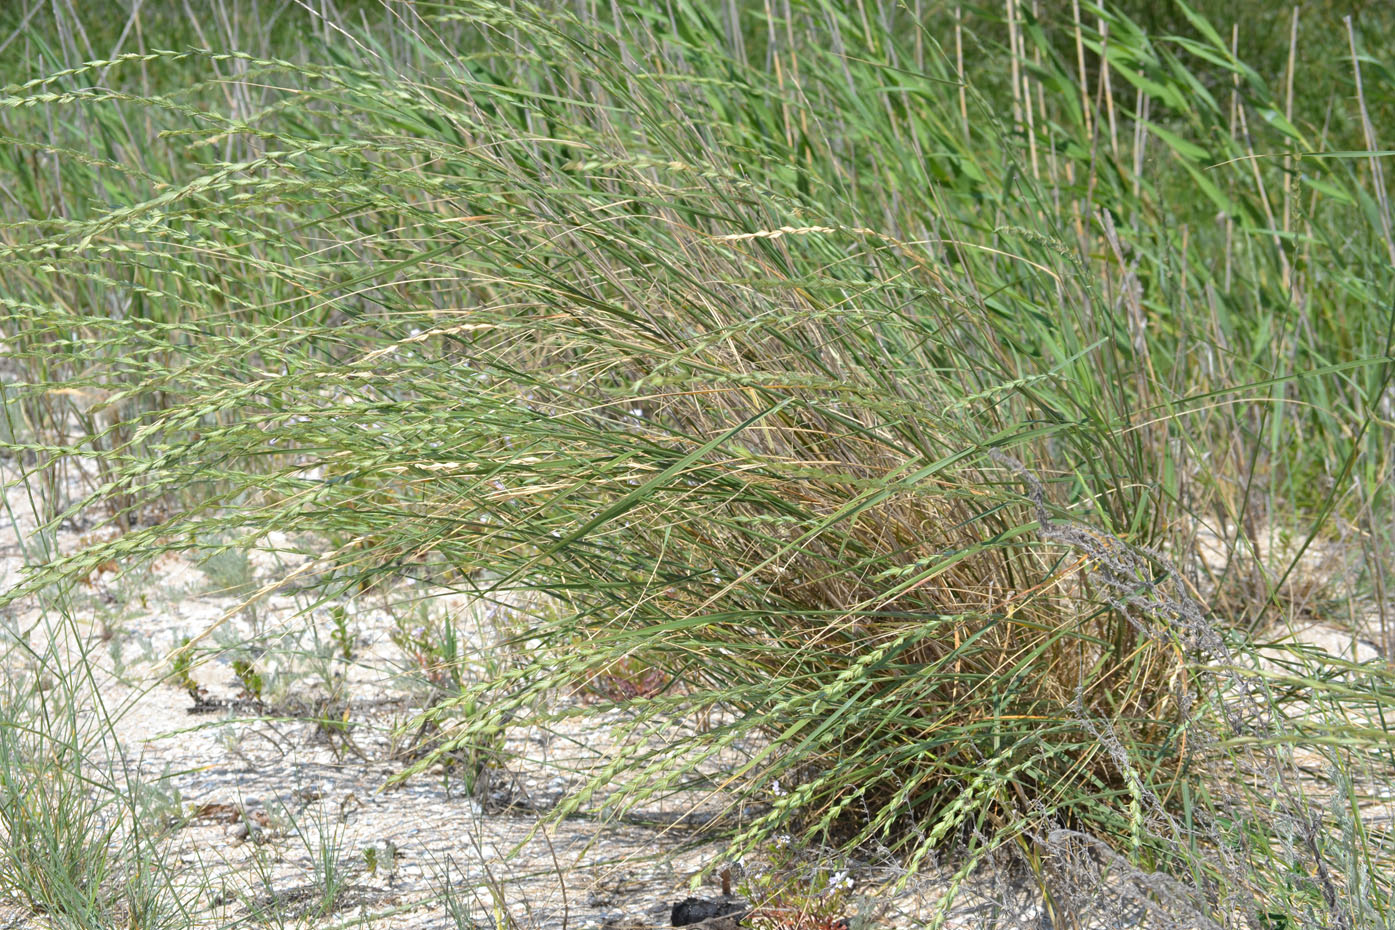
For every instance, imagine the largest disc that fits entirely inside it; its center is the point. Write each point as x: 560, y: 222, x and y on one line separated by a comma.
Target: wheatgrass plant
x: 869, y: 369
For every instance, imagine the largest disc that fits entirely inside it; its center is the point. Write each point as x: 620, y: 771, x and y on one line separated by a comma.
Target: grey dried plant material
x: 1093, y: 879
x: 1163, y: 610
x: 1166, y: 611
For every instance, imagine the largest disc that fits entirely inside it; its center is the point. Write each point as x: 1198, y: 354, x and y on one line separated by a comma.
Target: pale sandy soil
x: 244, y: 769
x: 258, y: 792
x: 253, y: 789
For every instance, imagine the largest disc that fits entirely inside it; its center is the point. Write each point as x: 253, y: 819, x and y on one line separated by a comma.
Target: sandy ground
x: 254, y: 790
x: 259, y: 789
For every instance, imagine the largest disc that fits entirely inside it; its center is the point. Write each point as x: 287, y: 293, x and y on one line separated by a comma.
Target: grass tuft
x: 873, y: 394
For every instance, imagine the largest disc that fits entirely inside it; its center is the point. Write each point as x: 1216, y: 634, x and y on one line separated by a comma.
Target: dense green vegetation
x: 870, y: 370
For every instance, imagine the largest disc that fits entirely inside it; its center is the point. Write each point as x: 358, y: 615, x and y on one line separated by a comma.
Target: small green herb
x: 252, y: 681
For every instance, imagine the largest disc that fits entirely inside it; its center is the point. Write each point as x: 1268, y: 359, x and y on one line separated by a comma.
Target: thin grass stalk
x: 1377, y: 170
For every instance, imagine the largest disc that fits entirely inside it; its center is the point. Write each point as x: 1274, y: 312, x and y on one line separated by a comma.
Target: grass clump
x: 862, y: 395
x: 81, y: 835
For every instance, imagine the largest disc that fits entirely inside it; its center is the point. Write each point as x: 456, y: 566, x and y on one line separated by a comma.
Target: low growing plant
x: 789, y: 893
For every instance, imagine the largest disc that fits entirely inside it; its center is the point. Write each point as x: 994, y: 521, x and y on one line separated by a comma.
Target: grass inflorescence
x: 870, y: 373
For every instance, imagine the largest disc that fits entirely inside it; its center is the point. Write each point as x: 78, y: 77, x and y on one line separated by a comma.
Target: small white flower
x: 778, y: 791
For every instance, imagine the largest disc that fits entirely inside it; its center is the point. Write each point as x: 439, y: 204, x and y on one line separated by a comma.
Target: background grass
x: 872, y: 371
